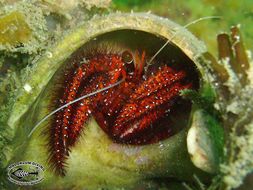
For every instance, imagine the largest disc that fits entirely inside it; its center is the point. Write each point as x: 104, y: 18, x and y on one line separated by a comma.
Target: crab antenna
x: 72, y: 102
x: 174, y: 35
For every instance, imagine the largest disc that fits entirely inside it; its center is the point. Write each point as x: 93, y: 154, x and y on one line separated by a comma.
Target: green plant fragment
x: 14, y: 29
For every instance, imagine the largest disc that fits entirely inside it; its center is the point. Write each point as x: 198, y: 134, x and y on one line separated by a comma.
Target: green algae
x: 23, y: 29
x: 14, y: 29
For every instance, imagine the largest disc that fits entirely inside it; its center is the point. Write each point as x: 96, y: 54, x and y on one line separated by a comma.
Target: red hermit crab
x: 137, y: 111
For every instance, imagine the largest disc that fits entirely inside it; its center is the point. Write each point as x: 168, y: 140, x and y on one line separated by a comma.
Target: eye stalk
x: 128, y: 59
x: 134, y: 62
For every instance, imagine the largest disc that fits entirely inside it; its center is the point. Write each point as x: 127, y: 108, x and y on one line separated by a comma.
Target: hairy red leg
x: 83, y: 108
x: 152, y: 92
x: 140, y: 124
x: 145, y: 100
x: 61, y: 133
x: 115, y: 99
x: 110, y: 105
x: 88, y: 106
x: 128, y: 119
x: 164, y: 78
x: 79, y: 115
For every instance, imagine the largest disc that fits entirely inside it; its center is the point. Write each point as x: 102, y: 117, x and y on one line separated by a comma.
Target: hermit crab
x: 136, y: 95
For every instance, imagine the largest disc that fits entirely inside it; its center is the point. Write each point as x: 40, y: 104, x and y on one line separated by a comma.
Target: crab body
x: 133, y: 112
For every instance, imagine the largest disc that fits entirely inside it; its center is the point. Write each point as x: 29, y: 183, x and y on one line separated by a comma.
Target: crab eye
x: 127, y: 58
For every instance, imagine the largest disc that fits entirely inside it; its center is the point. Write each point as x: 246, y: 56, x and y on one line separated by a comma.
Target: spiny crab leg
x: 58, y: 135
x: 64, y: 132
x: 129, y: 123
x: 157, y: 82
x: 88, y: 106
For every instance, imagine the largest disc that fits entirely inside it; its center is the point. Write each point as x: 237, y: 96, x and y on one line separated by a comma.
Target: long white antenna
x: 173, y: 36
x: 72, y: 102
